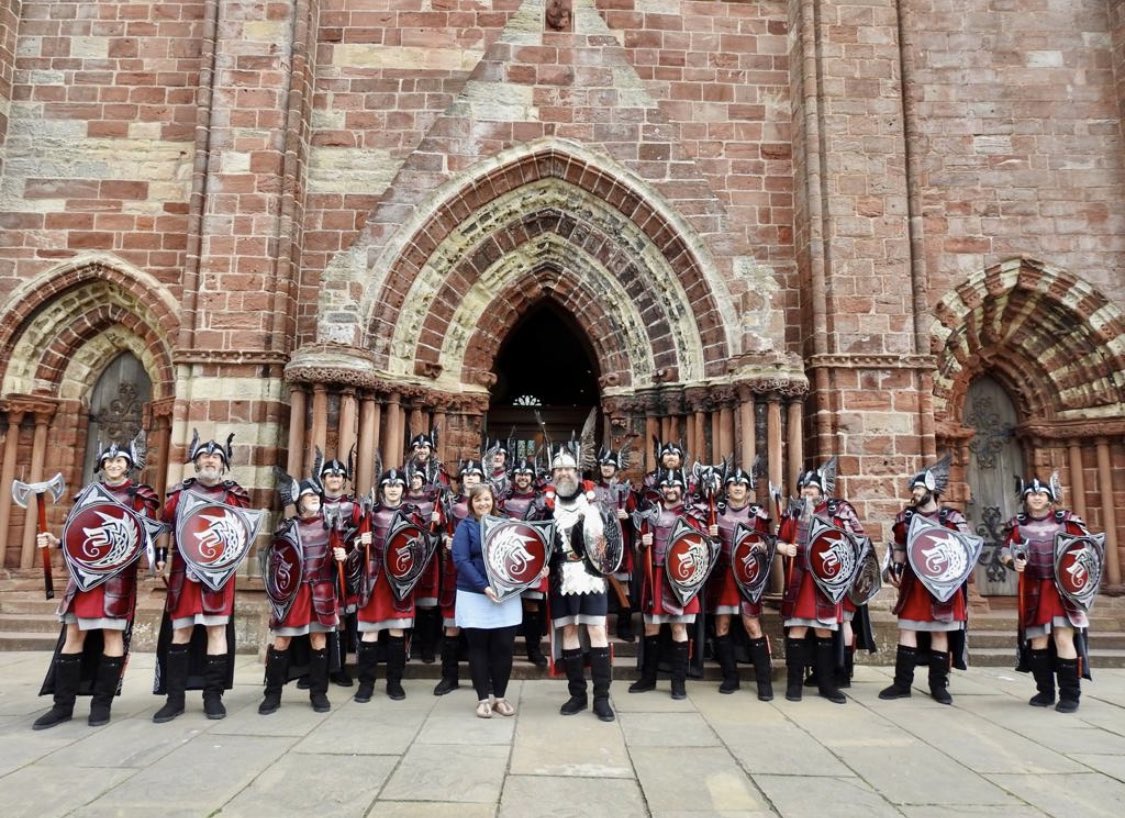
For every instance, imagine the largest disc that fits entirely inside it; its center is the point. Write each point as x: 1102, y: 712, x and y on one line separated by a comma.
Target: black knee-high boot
x: 601, y: 671
x: 1040, y: 661
x: 68, y: 671
x: 724, y: 652
x: 905, y: 659
x: 679, y: 669
x: 825, y: 671
x: 939, y: 677
x: 625, y: 624
x: 1070, y: 685
x: 277, y: 666
x: 763, y: 673
x: 396, y: 663
x: 533, y: 634
x: 175, y: 683
x: 318, y: 681
x: 214, y: 683
x: 576, y: 683
x: 450, y: 679
x: 105, y: 688
x: 650, y: 663
x: 365, y: 663
x: 795, y: 669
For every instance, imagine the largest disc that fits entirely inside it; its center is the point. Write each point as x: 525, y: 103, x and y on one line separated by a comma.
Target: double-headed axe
x: 21, y: 491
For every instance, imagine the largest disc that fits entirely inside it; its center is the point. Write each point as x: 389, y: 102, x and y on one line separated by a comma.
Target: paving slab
x: 328, y: 786
x: 564, y: 797
x: 200, y: 776
x: 364, y: 730
x: 703, y: 779
x: 21, y: 746
x: 430, y: 809
x: 578, y: 745
x: 971, y: 811
x: 40, y: 790
x: 667, y: 730
x: 781, y: 749
x: 124, y: 743
x: 1110, y: 765
x: 474, y: 775
x: 1066, y: 796
x: 800, y: 797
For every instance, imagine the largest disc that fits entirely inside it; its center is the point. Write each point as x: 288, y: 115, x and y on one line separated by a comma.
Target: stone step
x: 17, y: 640
x: 997, y: 657
x: 20, y: 604
x: 28, y: 623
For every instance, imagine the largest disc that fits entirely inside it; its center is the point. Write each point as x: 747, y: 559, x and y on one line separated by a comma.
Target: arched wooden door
x: 116, y: 407
x: 995, y: 459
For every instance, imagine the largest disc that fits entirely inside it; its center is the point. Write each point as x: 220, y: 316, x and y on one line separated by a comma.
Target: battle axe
x: 21, y: 491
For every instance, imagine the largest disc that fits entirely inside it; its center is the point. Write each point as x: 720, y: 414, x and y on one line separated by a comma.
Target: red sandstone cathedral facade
x: 784, y: 228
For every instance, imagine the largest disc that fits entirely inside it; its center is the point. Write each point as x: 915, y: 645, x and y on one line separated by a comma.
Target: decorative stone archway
x: 1057, y: 346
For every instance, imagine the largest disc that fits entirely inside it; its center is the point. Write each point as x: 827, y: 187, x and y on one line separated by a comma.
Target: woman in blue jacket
x: 489, y: 625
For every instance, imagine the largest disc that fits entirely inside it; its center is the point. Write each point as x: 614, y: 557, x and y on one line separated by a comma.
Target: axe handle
x: 622, y: 597
x: 45, y: 553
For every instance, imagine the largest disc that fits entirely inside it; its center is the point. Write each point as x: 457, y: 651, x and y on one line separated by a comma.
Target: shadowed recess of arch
x: 468, y: 203
x: 1024, y: 316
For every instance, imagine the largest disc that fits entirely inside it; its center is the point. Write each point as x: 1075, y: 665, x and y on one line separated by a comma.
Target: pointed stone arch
x: 60, y: 329
x: 418, y: 272
x: 1049, y: 337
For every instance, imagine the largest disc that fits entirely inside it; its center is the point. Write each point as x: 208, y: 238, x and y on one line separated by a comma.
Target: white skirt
x: 478, y: 611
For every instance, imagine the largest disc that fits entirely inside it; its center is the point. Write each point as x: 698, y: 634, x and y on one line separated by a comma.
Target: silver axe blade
x: 22, y: 492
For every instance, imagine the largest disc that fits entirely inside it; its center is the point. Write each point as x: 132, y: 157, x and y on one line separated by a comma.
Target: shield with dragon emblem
x: 515, y: 552
x: 604, y: 554
x: 832, y: 558
x: 940, y: 557
x: 406, y: 554
x: 868, y: 579
x: 689, y: 560
x: 283, y: 568
x: 751, y: 556
x: 214, y: 538
x: 102, y: 537
x: 1079, y: 562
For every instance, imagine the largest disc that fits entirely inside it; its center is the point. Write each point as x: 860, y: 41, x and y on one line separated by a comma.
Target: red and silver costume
x: 378, y: 608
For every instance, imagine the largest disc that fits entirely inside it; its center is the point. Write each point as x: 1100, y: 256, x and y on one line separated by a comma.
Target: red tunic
x: 915, y: 603
x: 115, y: 598
x: 316, y: 599
x: 803, y: 599
x: 664, y: 603
x: 458, y: 511
x: 426, y: 591
x: 347, y: 512
x: 1039, y: 595
x: 377, y: 600
x: 188, y: 597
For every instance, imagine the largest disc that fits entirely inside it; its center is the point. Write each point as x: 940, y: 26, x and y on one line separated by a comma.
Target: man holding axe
x: 110, y: 526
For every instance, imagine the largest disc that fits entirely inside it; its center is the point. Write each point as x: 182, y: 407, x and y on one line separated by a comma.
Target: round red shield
x: 282, y: 573
x: 517, y: 552
x: 745, y: 563
x: 213, y: 536
x: 100, y: 540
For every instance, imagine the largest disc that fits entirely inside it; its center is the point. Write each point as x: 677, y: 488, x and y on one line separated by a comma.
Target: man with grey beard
x: 578, y: 595
x: 191, y: 604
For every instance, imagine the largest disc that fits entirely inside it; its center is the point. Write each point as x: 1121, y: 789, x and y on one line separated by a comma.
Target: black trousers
x: 490, y: 659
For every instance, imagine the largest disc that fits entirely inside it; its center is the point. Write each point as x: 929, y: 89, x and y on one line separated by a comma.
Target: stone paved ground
x: 989, y: 754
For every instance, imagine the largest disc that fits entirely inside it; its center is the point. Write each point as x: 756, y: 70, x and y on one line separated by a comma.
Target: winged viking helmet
x: 824, y: 477
x: 935, y: 478
x: 1052, y: 488
x: 196, y: 448
x: 135, y: 452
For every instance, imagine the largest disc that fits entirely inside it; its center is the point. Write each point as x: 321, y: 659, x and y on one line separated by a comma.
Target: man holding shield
x: 108, y: 525
x: 212, y: 535
x: 1060, y: 566
x: 931, y: 560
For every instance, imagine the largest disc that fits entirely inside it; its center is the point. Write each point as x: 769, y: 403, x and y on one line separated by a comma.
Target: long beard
x: 566, y: 488
x: 208, y: 477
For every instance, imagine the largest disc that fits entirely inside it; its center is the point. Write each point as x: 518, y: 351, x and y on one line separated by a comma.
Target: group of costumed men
x: 374, y: 575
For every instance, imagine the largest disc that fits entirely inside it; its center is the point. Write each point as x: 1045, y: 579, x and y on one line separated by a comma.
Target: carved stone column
x: 319, y: 434
x: 346, y: 432
x: 392, y: 446
x: 8, y: 472
x: 1077, y: 478
x: 38, y: 456
x: 748, y: 437
x: 368, y: 443
x: 726, y: 428
x: 1105, y: 490
x: 796, y: 442
x: 294, y: 464
x: 775, y: 466
x: 652, y: 429
x: 439, y: 427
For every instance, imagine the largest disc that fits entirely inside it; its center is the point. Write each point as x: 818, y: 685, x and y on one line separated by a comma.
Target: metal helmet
x: 564, y: 458
x: 196, y: 448
x: 1052, y: 488
x: 418, y: 441
x: 739, y: 475
x: 668, y: 447
x: 935, y: 478
x: 525, y: 465
x: 824, y: 477
x: 336, y: 466
x: 291, y: 490
x: 393, y: 477
x: 471, y: 466
x: 608, y: 457
x: 671, y: 477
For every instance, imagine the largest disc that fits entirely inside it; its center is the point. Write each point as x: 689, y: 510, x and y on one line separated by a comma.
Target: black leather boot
x: 905, y: 659
x: 214, y: 682
x: 795, y: 669
x: 763, y: 673
x: 68, y: 671
x: 844, y: 674
x: 450, y: 679
x: 601, y: 671
x: 396, y: 663
x: 650, y: 663
x: 724, y: 653
x: 1040, y: 661
x: 625, y: 624
x: 532, y: 635
x: 105, y: 688
x: 679, y: 670
x: 939, y: 677
x: 1070, y: 685
x: 176, y: 671
x: 277, y: 666
x: 575, y: 683
x: 825, y: 671
x: 318, y: 681
x: 365, y: 659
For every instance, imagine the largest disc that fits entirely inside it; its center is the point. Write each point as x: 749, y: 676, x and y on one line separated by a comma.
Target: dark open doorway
x: 545, y: 365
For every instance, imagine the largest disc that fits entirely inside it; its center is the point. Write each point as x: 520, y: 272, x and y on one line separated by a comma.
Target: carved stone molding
x: 228, y: 356
x: 1062, y: 430
x: 861, y: 361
